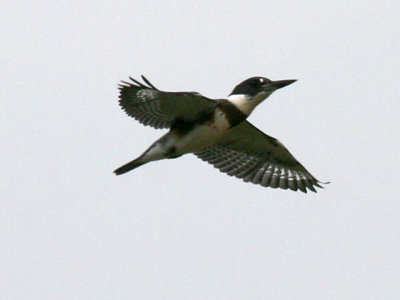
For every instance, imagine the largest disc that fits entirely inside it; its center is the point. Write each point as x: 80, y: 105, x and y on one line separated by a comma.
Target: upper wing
x: 248, y: 153
x: 159, y: 109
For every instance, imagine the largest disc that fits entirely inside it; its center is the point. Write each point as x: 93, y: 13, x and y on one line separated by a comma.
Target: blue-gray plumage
x: 216, y: 131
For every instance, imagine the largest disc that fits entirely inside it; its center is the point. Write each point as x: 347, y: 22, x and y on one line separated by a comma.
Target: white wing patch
x: 146, y: 94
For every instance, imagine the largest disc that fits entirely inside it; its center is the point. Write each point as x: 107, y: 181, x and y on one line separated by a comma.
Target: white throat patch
x: 245, y: 103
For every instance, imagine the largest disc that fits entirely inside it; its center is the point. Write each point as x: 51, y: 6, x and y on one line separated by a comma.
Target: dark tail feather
x: 128, y: 167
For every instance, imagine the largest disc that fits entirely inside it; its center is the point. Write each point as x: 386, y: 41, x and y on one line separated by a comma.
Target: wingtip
x: 318, y: 183
x: 148, y: 82
x: 137, y: 83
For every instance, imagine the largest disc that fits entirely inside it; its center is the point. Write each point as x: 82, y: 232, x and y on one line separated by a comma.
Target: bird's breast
x: 219, y: 122
x: 204, y: 133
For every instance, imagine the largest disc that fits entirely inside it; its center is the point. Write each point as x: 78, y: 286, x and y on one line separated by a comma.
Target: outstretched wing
x: 159, y: 109
x: 248, y: 153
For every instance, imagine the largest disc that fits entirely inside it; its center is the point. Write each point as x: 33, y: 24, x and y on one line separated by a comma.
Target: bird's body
x: 216, y: 131
x: 201, y: 135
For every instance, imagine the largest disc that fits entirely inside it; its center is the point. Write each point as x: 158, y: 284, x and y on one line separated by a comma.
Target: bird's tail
x: 128, y: 167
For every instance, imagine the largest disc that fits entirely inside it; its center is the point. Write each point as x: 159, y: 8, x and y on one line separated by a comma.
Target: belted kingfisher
x: 216, y: 131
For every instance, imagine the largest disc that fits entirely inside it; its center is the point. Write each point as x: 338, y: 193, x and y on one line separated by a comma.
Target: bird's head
x: 251, y: 92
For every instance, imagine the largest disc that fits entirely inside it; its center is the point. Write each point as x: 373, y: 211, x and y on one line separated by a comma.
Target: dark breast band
x: 233, y: 114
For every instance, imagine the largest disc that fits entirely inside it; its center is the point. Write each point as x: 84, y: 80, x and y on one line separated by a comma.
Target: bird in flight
x: 216, y: 131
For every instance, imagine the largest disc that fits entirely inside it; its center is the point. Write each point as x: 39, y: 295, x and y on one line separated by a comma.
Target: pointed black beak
x: 278, y: 84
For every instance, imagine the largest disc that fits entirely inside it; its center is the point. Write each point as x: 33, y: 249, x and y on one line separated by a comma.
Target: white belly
x: 203, y: 135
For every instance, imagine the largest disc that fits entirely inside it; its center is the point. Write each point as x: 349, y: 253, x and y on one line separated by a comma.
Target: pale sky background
x: 180, y: 229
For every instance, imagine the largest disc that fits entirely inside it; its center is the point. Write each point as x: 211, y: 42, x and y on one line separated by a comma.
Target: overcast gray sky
x: 180, y: 229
